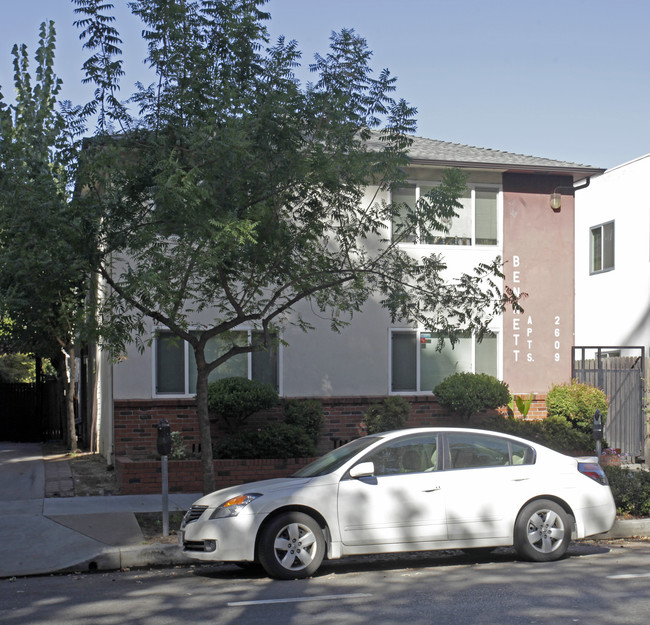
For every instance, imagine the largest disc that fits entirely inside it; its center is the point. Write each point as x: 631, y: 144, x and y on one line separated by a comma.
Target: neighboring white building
x: 613, y: 258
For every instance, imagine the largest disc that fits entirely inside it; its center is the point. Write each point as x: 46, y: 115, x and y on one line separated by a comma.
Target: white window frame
x: 419, y: 332
x: 419, y: 184
x: 187, y: 354
x: 601, y: 227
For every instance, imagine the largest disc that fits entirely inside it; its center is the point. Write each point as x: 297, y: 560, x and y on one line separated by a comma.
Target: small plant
x: 307, y: 415
x: 466, y: 394
x: 277, y: 440
x: 631, y: 490
x: 577, y: 403
x: 178, y: 447
x: 523, y: 405
x: 390, y: 414
x: 236, y: 399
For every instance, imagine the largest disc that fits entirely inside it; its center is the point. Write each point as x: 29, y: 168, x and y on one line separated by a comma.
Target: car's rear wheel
x: 292, y: 546
x: 542, y: 531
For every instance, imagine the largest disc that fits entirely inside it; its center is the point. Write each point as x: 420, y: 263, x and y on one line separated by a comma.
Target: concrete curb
x: 158, y: 554
x: 135, y: 556
x: 628, y: 528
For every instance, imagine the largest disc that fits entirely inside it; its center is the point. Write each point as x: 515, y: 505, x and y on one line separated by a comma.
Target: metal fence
x: 621, y: 373
x: 30, y: 412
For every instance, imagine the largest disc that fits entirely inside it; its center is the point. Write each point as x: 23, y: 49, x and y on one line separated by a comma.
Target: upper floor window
x: 601, y: 247
x: 476, y: 223
x: 418, y: 366
x: 175, y: 368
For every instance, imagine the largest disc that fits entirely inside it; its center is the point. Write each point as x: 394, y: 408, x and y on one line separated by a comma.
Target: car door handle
x: 431, y: 490
x: 520, y: 479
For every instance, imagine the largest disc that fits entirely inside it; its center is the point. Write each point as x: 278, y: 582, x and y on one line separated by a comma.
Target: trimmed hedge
x: 469, y: 393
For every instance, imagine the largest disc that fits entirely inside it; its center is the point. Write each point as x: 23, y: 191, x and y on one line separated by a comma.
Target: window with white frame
x: 476, y: 223
x: 601, y: 248
x: 175, y: 367
x: 417, y: 365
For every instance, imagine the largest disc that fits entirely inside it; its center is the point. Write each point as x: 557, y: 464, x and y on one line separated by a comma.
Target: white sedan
x: 409, y: 490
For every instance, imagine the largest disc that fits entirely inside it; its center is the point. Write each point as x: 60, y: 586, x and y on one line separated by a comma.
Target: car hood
x: 263, y: 487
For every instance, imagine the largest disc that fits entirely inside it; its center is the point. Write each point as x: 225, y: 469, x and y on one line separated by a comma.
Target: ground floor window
x: 175, y: 366
x: 417, y: 365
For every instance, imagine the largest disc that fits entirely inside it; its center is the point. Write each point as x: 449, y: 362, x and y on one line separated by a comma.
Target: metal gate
x: 620, y: 373
x: 30, y: 412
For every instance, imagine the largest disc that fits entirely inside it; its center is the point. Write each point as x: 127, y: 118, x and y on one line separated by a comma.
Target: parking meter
x: 164, y: 440
x: 598, y: 426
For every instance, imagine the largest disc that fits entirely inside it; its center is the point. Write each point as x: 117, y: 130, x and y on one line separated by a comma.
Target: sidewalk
x: 40, y: 534
x: 45, y: 529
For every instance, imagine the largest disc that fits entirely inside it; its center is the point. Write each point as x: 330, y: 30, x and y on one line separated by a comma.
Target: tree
x: 42, y: 275
x: 237, y: 193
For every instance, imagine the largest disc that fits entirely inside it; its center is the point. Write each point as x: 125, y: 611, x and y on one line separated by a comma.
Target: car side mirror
x: 364, y: 469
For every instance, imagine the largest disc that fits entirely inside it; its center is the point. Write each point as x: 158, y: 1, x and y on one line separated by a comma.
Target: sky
x: 561, y: 79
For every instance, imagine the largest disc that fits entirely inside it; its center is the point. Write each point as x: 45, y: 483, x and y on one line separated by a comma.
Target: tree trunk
x: 205, y: 436
x: 70, y: 387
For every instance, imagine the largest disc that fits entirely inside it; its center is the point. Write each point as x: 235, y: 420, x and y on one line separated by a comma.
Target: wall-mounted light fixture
x: 556, y: 196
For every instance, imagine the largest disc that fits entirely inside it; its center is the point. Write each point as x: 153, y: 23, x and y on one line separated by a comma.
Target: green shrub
x: 468, y: 393
x: 553, y: 432
x: 577, y: 403
x: 277, y: 440
x: 390, y: 414
x: 631, y: 490
x: 178, y: 447
x: 236, y: 399
x: 305, y: 414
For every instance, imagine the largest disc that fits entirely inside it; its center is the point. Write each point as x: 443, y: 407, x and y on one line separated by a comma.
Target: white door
x: 487, y: 480
x: 402, y: 502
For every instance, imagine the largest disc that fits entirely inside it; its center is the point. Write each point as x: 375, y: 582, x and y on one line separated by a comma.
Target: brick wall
x: 136, y: 421
x: 137, y: 477
x: 139, y: 468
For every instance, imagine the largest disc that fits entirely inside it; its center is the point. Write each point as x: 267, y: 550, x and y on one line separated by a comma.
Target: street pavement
x: 41, y: 534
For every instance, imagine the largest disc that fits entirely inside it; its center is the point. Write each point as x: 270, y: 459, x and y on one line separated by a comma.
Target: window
x: 175, y: 367
x: 475, y: 450
x: 476, y: 223
x: 415, y: 454
x: 417, y: 365
x: 601, y: 248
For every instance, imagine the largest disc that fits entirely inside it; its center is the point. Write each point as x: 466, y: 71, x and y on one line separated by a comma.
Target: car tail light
x: 594, y: 471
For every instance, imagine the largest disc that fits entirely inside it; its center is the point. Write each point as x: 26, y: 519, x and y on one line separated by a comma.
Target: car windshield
x: 335, y: 458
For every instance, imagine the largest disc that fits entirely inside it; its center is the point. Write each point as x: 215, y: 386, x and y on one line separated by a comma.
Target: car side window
x: 410, y: 455
x: 476, y: 450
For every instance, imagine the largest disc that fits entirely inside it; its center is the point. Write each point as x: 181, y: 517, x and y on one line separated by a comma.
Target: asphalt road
x: 599, y: 584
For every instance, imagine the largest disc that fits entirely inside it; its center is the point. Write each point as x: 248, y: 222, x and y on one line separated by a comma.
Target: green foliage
x: 631, y: 490
x: 391, y: 414
x: 468, y: 393
x: 307, y: 415
x: 278, y: 440
x: 553, y: 432
x: 178, y: 447
x: 236, y: 399
x: 577, y: 403
x: 523, y: 405
x: 17, y: 368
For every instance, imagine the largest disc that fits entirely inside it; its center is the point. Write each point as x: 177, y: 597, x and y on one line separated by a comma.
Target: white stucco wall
x: 613, y: 307
x: 325, y: 363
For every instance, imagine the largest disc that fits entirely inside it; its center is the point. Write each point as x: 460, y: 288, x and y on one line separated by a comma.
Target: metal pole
x: 165, y: 503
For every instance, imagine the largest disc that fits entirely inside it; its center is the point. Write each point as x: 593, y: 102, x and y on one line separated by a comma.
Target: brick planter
x: 138, y: 477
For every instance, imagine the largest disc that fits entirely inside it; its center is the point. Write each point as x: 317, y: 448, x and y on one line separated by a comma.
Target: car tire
x: 542, y: 531
x: 291, y: 546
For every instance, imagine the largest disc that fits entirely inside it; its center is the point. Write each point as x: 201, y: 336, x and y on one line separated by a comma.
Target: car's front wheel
x: 542, y: 531
x: 292, y: 546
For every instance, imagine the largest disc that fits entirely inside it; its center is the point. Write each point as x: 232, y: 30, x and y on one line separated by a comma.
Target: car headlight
x: 234, y: 506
